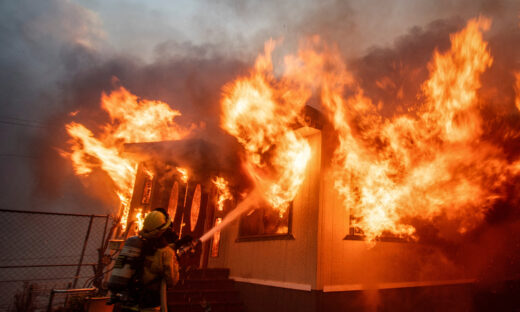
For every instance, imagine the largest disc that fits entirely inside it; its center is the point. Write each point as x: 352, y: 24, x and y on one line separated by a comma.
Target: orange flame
x: 429, y: 162
x: 132, y: 120
x: 139, y: 219
x: 89, y: 153
x: 149, y: 173
x: 517, y: 90
x: 223, y: 192
x: 124, y: 210
x: 260, y: 112
x: 184, y: 174
x: 413, y: 172
x: 139, y: 120
x: 425, y: 166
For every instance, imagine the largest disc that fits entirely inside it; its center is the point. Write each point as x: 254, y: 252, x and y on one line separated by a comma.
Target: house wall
x: 348, y: 265
x: 319, y: 257
x: 283, y: 263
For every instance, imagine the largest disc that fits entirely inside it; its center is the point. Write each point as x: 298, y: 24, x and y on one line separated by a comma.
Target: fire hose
x: 189, y: 247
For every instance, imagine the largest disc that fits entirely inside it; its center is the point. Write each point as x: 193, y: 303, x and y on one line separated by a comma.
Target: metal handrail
x: 67, y: 291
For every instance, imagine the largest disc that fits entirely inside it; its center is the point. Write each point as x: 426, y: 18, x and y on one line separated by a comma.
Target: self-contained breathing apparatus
x: 125, y: 283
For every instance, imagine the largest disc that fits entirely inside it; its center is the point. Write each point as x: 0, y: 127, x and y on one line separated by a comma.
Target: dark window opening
x: 265, y: 223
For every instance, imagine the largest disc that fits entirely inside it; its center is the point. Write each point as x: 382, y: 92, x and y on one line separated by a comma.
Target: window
x: 264, y: 223
x: 356, y: 233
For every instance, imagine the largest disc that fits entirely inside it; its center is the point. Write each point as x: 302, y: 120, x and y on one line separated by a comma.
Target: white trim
x: 355, y: 287
x: 297, y: 286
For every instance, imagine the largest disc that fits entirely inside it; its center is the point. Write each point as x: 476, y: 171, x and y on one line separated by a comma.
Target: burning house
x: 320, y: 209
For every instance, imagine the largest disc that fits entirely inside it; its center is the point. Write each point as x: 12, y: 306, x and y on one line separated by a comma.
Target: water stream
x: 249, y: 202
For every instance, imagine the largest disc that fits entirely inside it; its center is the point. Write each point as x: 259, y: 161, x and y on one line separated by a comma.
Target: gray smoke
x: 57, y: 56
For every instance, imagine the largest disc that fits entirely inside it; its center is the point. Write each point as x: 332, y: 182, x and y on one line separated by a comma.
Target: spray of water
x: 249, y: 202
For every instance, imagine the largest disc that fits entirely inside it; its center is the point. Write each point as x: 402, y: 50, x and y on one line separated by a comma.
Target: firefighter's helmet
x: 155, y: 223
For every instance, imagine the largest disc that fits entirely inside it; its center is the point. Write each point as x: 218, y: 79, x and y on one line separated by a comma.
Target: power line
x: 19, y: 119
x: 19, y: 156
x: 42, y: 279
x: 15, y: 123
x: 41, y: 258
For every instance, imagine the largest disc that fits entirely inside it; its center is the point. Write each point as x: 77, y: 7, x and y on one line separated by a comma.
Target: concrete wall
x: 285, y: 263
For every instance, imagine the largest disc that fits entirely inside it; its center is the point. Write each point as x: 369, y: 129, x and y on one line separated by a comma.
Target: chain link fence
x: 41, y: 251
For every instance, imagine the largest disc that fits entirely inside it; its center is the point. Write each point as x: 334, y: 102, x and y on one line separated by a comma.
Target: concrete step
x: 205, y: 290
x: 207, y: 306
x: 198, y: 295
x: 216, y: 283
x: 215, y: 273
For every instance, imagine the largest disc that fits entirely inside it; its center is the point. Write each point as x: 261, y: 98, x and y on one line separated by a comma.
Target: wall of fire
x: 348, y: 263
x: 321, y: 252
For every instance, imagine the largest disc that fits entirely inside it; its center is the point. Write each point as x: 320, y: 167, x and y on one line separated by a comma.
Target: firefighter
x: 158, y: 264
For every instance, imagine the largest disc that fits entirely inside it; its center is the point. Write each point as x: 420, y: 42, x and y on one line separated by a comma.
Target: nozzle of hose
x: 191, y: 246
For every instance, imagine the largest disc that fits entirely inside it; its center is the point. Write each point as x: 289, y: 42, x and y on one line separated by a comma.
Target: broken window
x: 265, y: 222
x: 356, y: 233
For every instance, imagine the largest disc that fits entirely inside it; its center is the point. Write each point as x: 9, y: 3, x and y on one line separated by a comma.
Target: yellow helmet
x: 155, y: 223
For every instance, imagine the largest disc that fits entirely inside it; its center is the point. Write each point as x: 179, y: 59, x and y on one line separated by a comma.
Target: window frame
x: 267, y: 237
x: 356, y: 234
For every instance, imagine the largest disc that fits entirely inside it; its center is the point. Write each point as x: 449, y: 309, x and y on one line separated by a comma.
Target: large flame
x: 132, y: 120
x: 430, y: 162
x: 427, y: 163
x: 260, y: 111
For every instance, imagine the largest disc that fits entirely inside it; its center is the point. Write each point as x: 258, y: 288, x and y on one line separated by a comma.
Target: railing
x: 68, y: 292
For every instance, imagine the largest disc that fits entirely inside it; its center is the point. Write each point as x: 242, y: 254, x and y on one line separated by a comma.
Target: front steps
x: 205, y: 290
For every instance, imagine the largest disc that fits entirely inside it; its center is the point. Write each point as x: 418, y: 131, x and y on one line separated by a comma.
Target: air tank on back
x: 124, y: 268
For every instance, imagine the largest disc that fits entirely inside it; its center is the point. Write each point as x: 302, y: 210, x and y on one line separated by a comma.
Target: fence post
x: 104, y: 232
x: 51, y: 299
x: 83, y: 252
